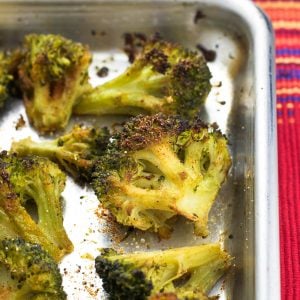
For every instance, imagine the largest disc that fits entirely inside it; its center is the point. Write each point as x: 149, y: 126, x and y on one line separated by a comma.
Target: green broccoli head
x: 158, y: 167
x: 52, y: 75
x: 75, y: 151
x: 5, y: 77
x: 188, y: 272
x: 39, y: 180
x: 164, y: 78
x: 32, y: 272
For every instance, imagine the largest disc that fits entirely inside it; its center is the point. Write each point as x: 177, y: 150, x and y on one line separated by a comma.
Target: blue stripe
x: 288, y: 98
x: 287, y: 51
x: 287, y: 74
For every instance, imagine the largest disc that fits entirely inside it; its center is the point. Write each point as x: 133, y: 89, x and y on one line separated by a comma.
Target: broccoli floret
x: 75, y: 151
x: 158, y: 167
x: 5, y: 77
x: 52, y: 75
x: 39, y: 180
x: 189, y: 272
x: 165, y: 78
x: 31, y: 273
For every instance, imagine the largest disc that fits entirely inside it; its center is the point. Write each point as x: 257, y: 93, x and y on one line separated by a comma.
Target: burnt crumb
x: 102, y: 72
x: 230, y: 236
x: 209, y: 55
x: 133, y: 44
x: 218, y: 84
x: 156, y: 37
x: 199, y: 15
x: 215, y: 126
x: 20, y: 123
x: 231, y: 56
x: 94, y: 32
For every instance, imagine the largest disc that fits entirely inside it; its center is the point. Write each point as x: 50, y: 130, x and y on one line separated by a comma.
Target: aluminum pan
x: 259, y: 240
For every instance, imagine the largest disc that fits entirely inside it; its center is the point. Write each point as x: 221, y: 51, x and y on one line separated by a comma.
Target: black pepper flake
x: 199, y: 15
x: 102, y: 72
x: 209, y: 55
x: 20, y: 123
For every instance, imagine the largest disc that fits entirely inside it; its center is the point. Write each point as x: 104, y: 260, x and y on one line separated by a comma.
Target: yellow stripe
x: 288, y: 60
x: 289, y: 91
x: 281, y: 5
x: 286, y: 24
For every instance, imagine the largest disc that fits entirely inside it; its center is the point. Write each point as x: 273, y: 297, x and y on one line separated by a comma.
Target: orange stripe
x: 288, y: 91
x: 288, y: 60
x: 280, y: 5
x: 286, y: 25
x: 279, y: 14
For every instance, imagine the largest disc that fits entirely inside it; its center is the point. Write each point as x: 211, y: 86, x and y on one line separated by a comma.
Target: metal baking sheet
x: 245, y: 217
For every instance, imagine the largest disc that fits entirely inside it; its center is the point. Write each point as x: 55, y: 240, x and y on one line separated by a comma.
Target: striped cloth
x: 285, y: 16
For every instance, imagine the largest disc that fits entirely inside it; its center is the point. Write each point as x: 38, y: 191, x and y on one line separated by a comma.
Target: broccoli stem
x: 7, y: 230
x: 150, y: 199
x: 28, y: 147
x: 161, y: 156
x: 54, y: 152
x: 48, y: 203
x: 213, y: 263
x: 131, y: 93
x: 28, y: 229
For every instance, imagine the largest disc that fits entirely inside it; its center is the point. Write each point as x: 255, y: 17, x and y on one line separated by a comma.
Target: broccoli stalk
x: 165, y: 78
x: 39, y: 180
x: 52, y: 75
x: 32, y: 273
x: 158, y: 167
x: 189, y: 272
x: 75, y: 151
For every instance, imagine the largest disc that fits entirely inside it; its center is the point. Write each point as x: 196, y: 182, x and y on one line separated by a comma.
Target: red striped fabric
x: 285, y: 16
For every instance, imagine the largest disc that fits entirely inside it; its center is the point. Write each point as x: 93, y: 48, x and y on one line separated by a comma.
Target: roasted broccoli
x: 52, y: 75
x: 76, y: 151
x: 165, y: 78
x: 174, y: 296
x: 188, y: 272
x: 28, y: 272
x: 5, y: 77
x: 160, y: 166
x: 39, y: 180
